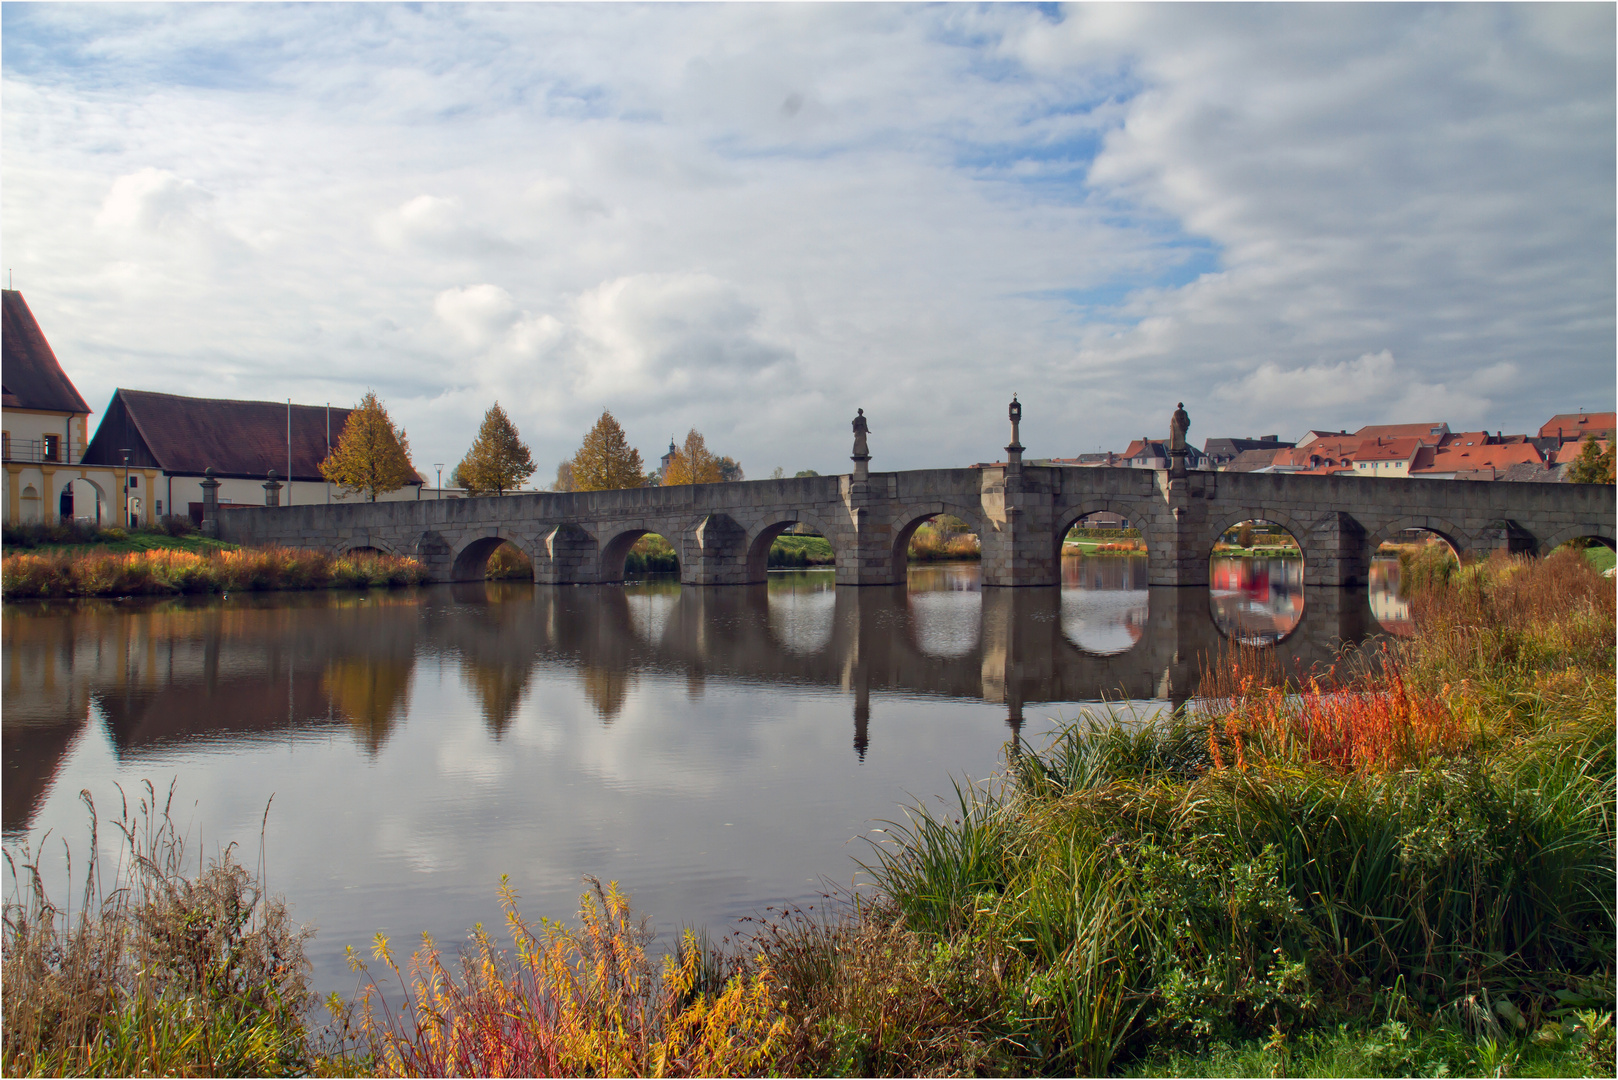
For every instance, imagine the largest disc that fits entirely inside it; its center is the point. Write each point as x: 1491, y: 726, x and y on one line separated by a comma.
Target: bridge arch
x: 625, y: 535
x: 470, y: 559
x: 1459, y: 540
x: 1136, y: 512
x: 361, y: 545
x: 1602, y: 533
x: 904, y: 525
x: 761, y: 537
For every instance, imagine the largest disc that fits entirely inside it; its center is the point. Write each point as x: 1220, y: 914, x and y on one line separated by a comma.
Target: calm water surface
x: 714, y: 750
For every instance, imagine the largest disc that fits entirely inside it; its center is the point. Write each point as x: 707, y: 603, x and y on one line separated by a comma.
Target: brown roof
x: 185, y: 435
x: 1252, y: 460
x: 33, y: 379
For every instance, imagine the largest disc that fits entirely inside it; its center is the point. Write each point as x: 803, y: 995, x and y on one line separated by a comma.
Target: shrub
x: 176, y: 525
x: 161, y: 973
x: 165, y: 571
x: 584, y: 1003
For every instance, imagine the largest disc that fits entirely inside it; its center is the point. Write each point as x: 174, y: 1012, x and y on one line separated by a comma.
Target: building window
x: 6, y: 438
x: 134, y: 481
x: 52, y: 446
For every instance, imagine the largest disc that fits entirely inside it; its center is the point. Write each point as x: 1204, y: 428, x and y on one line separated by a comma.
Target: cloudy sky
x: 754, y: 219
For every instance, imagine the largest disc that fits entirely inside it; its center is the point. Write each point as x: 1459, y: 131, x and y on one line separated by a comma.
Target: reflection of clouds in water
x: 948, y: 624
x: 801, y: 616
x: 649, y: 609
x: 1391, y: 611
x: 1104, y: 623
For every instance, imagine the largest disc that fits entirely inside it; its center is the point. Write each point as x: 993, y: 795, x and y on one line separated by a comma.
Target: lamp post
x: 438, y: 466
x: 125, y: 451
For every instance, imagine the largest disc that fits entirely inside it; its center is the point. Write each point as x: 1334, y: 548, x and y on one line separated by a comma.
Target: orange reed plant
x: 167, y: 571
x: 1375, y: 721
x: 585, y: 1003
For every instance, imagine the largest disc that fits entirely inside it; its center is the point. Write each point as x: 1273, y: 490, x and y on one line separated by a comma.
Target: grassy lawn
x: 118, y: 542
x: 1602, y: 558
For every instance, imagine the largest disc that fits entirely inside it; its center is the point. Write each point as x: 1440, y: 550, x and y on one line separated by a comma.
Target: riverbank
x: 1404, y: 866
x: 158, y: 571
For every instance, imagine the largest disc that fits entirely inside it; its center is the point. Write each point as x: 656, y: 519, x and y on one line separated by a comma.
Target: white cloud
x: 153, y: 200
x: 755, y: 219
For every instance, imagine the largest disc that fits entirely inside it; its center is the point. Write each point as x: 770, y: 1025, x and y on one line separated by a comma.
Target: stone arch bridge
x: 722, y: 532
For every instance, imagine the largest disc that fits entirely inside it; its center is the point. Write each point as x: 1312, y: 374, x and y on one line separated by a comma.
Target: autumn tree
x: 371, y: 456
x: 498, y: 460
x: 1593, y: 465
x: 606, y: 461
x: 564, y: 476
x: 692, y: 463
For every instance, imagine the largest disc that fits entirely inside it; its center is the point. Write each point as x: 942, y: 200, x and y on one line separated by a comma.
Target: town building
x: 1573, y: 427
x: 45, y: 431
x: 1221, y: 452
x: 167, y: 443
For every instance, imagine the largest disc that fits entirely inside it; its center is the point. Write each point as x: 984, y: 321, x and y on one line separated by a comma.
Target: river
x: 713, y: 750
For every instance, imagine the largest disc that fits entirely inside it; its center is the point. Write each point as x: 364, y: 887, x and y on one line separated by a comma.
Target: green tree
x: 371, y: 455
x: 1593, y: 465
x: 692, y: 463
x: 606, y: 461
x: 805, y: 472
x: 498, y: 460
x: 730, y: 470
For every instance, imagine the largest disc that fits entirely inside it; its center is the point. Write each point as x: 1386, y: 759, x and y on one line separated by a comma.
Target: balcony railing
x: 36, y: 451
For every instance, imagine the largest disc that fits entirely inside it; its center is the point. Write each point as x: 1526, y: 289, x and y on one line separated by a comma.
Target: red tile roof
x: 32, y: 376
x: 1459, y: 457
x: 1400, y: 449
x: 1577, y: 425
x: 1424, y: 432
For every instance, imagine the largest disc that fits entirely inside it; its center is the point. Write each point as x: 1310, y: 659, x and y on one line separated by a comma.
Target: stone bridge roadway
x: 722, y: 532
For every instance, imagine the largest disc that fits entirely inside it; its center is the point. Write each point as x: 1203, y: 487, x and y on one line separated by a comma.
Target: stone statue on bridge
x: 1179, y: 424
x: 861, y: 429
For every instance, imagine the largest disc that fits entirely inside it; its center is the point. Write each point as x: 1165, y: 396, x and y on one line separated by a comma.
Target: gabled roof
x: 1576, y: 425
x: 1460, y: 457
x: 1253, y: 460
x: 1429, y: 432
x: 32, y: 376
x: 1229, y: 447
x: 1400, y: 449
x: 185, y: 435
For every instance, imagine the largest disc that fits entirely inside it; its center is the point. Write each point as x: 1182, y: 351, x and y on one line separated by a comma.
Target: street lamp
x: 438, y: 466
x: 125, y: 451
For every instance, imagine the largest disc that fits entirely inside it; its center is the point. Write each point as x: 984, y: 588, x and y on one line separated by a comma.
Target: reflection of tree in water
x: 499, y: 691
x: 606, y: 688
x: 370, y: 694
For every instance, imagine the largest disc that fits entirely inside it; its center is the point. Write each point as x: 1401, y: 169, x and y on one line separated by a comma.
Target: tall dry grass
x: 589, y: 1002
x: 170, y: 967
x: 159, y: 572
x: 1436, y: 816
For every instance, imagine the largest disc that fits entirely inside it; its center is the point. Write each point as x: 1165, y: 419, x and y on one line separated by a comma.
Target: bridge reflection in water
x: 210, y: 673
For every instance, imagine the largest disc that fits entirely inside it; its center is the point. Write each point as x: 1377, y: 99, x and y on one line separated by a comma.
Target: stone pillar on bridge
x: 272, y: 489
x: 210, y: 503
x: 1017, y: 545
